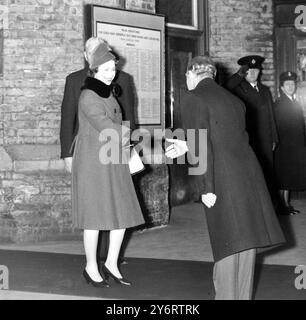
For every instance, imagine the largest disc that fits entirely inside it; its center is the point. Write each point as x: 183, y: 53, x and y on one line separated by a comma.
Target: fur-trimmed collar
x: 98, y: 87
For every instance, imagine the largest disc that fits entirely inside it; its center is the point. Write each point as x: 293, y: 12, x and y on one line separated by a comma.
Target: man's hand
x: 176, y: 149
x: 68, y: 164
x: 209, y: 199
x: 243, y: 70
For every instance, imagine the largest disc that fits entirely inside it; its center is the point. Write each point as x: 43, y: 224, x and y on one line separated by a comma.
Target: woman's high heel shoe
x: 102, y: 284
x: 118, y: 280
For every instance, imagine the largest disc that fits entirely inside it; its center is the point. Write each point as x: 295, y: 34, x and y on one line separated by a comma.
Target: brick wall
x: 238, y: 28
x: 42, y: 43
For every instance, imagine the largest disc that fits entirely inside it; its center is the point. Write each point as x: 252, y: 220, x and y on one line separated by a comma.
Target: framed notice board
x: 139, y: 40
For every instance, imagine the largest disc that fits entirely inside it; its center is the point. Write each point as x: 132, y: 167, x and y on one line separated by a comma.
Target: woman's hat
x: 100, y: 55
x: 288, y: 75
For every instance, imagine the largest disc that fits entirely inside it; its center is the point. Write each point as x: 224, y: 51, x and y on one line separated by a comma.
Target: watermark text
x: 4, y: 278
x: 300, y: 21
x: 300, y: 281
x: 151, y: 147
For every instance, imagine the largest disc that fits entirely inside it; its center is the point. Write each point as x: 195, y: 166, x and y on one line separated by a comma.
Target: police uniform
x: 260, y: 121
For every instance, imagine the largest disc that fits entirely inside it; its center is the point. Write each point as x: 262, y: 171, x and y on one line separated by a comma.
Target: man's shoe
x: 291, y: 208
x: 287, y: 211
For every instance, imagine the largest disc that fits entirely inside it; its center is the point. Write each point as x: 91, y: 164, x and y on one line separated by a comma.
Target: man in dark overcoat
x: 240, y: 214
x: 260, y: 121
x: 124, y: 90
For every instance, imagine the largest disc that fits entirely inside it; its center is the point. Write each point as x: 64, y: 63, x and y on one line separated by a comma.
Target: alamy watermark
x: 300, y: 281
x: 4, y: 278
x: 151, y: 144
x: 300, y: 21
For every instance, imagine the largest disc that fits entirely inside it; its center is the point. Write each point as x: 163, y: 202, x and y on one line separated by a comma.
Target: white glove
x: 209, y: 199
x: 176, y: 149
x: 68, y: 164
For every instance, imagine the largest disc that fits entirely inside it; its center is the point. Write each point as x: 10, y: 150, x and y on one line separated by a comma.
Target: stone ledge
x: 14, y: 234
x: 44, y: 165
x: 33, y: 152
x: 18, y: 231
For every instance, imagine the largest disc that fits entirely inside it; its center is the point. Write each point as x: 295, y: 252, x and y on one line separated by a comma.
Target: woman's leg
x: 115, y: 242
x: 287, y: 207
x: 90, y: 238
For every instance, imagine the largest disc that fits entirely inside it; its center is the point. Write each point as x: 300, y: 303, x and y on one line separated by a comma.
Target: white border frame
x: 195, y: 19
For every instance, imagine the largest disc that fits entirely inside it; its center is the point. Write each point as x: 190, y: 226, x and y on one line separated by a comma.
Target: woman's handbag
x: 135, y: 162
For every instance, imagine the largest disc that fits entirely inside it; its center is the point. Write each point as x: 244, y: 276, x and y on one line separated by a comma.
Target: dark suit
x: 260, y: 121
x: 69, y: 119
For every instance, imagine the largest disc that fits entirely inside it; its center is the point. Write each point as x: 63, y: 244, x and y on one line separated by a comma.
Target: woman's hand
x: 209, y: 199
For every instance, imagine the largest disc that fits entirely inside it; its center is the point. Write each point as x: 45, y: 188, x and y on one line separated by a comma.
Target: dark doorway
x: 186, y: 36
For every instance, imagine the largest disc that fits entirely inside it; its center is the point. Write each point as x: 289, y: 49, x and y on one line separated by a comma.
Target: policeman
x: 260, y: 122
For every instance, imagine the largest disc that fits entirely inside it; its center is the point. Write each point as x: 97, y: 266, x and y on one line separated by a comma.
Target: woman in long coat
x: 103, y: 194
x: 290, y: 156
x: 240, y: 214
